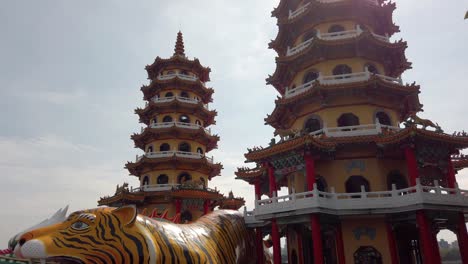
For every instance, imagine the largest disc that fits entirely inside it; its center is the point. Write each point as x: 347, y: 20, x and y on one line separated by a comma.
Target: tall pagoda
x: 174, y: 171
x: 368, y: 181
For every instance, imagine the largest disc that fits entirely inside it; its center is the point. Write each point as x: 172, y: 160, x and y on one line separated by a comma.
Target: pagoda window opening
x: 310, y: 35
x: 154, y: 120
x: 184, y: 95
x: 185, y: 147
x: 171, y: 72
x: 145, y: 181
x: 336, y: 28
x: 186, y: 217
x: 202, y: 180
x: 200, y: 150
x: 164, y: 147
x: 198, y: 122
x: 397, y: 178
x: 371, y: 68
x: 367, y: 255
x: 311, y: 76
x: 163, y: 179
x: 184, y: 72
x: 342, y: 69
x: 167, y: 119
x: 169, y: 94
x: 347, y: 120
x: 321, y: 183
x: 313, y: 124
x: 184, y: 178
x: 150, y: 149
x: 384, y: 118
x: 354, y: 183
x: 184, y: 119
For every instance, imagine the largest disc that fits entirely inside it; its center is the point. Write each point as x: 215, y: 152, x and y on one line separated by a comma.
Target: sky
x: 71, y: 72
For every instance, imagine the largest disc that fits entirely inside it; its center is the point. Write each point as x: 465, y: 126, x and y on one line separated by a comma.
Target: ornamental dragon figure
x: 120, y: 235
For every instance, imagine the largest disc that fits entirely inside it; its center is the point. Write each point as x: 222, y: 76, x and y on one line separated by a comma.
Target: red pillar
x: 425, y: 237
x: 462, y: 237
x: 451, y: 180
x: 392, y: 244
x: 259, y: 245
x: 299, y: 247
x: 272, y: 180
x: 258, y: 193
x: 178, y: 206
x: 310, y: 170
x: 435, y: 248
x: 276, y: 242
x: 340, y: 245
x: 206, y: 207
x: 411, y: 164
x: 316, y: 238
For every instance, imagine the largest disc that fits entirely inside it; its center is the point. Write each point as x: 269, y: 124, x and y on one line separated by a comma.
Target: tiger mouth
x: 64, y: 260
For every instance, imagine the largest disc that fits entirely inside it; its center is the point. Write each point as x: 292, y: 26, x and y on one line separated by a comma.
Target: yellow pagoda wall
x: 172, y: 175
x: 177, y: 92
x: 175, y: 117
x: 174, y: 143
x: 380, y: 242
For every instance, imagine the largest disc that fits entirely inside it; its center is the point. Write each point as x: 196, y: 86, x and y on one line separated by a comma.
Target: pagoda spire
x: 179, y: 49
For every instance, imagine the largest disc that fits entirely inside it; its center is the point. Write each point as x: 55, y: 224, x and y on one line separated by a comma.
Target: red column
x: 412, y: 165
x: 206, y: 207
x: 276, y: 242
x: 340, y: 245
x: 258, y: 193
x: 271, y: 177
x: 435, y: 248
x: 451, y: 180
x: 299, y: 247
x: 392, y: 244
x: 178, y: 206
x: 310, y: 170
x: 462, y: 237
x: 316, y: 238
x: 259, y: 245
x: 425, y: 238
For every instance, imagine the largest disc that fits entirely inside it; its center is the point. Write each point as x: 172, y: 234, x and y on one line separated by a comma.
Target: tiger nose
x: 24, y: 238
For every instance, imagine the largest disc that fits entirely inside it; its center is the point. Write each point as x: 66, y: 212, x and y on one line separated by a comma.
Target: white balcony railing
x: 347, y: 202
x: 167, y: 154
x: 339, y: 79
x: 302, y: 9
x: 178, y: 75
x: 331, y: 37
x: 160, y: 100
x: 179, y: 124
x: 155, y: 188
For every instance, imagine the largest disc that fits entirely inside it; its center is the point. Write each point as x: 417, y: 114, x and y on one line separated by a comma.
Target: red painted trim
x: 310, y: 171
x: 272, y: 180
x: 425, y: 238
x: 392, y: 244
x: 299, y: 247
x: 178, y: 205
x: 206, y: 207
x: 259, y: 246
x: 275, y: 236
x: 451, y: 179
x: 462, y: 236
x: 411, y: 164
x: 340, y: 245
x: 316, y: 238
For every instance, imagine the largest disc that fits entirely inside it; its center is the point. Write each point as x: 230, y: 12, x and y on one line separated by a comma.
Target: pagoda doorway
x: 395, y: 177
x: 407, y: 240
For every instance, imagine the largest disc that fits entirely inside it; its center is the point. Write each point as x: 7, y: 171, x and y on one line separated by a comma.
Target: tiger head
x: 102, y: 235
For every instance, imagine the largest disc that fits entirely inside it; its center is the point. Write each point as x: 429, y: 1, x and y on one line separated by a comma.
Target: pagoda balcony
x: 155, y: 188
x: 178, y: 124
x: 395, y: 200
x: 353, y: 131
x: 160, y: 100
x: 332, y: 37
x: 340, y: 79
x: 302, y: 9
x: 180, y: 154
x: 171, y: 76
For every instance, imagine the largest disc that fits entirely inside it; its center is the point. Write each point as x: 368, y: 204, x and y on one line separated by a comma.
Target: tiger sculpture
x: 120, y: 235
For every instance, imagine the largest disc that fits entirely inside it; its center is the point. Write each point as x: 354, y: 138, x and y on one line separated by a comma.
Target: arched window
x: 200, y: 151
x: 154, y: 120
x: 372, y: 68
x: 150, y: 149
x: 164, y: 147
x: 184, y: 94
x: 186, y: 217
x: 167, y: 119
x: 184, y: 72
x: 354, y: 183
x: 145, y: 181
x: 321, y: 183
x: 312, y: 124
x: 395, y: 177
x: 310, y: 76
x: 367, y: 255
x: 348, y: 119
x: 336, y: 28
x: 163, y: 179
x: 184, y: 119
x: 171, y: 72
x: 183, y: 178
x: 202, y: 180
x: 309, y: 35
x: 198, y: 122
x: 169, y: 94
x: 383, y: 118
x: 342, y: 69
x: 184, y: 146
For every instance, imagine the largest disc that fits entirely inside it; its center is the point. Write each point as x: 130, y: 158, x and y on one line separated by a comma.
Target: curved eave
x: 156, y: 86
x: 232, y: 203
x: 283, y: 105
x: 147, y: 164
x: 196, y: 194
x: 460, y: 164
x: 391, y: 55
x: 150, y: 134
x: 145, y: 114
x: 249, y: 175
x: 122, y: 197
x: 178, y: 62
x: 379, y: 16
x: 406, y: 135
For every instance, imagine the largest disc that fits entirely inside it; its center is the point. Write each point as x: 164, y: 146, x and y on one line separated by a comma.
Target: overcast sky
x: 71, y: 72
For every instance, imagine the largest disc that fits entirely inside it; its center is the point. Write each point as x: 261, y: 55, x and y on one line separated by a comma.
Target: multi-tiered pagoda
x: 368, y: 180
x: 174, y: 171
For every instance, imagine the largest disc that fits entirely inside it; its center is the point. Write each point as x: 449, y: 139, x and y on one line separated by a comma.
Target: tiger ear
x: 127, y: 214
